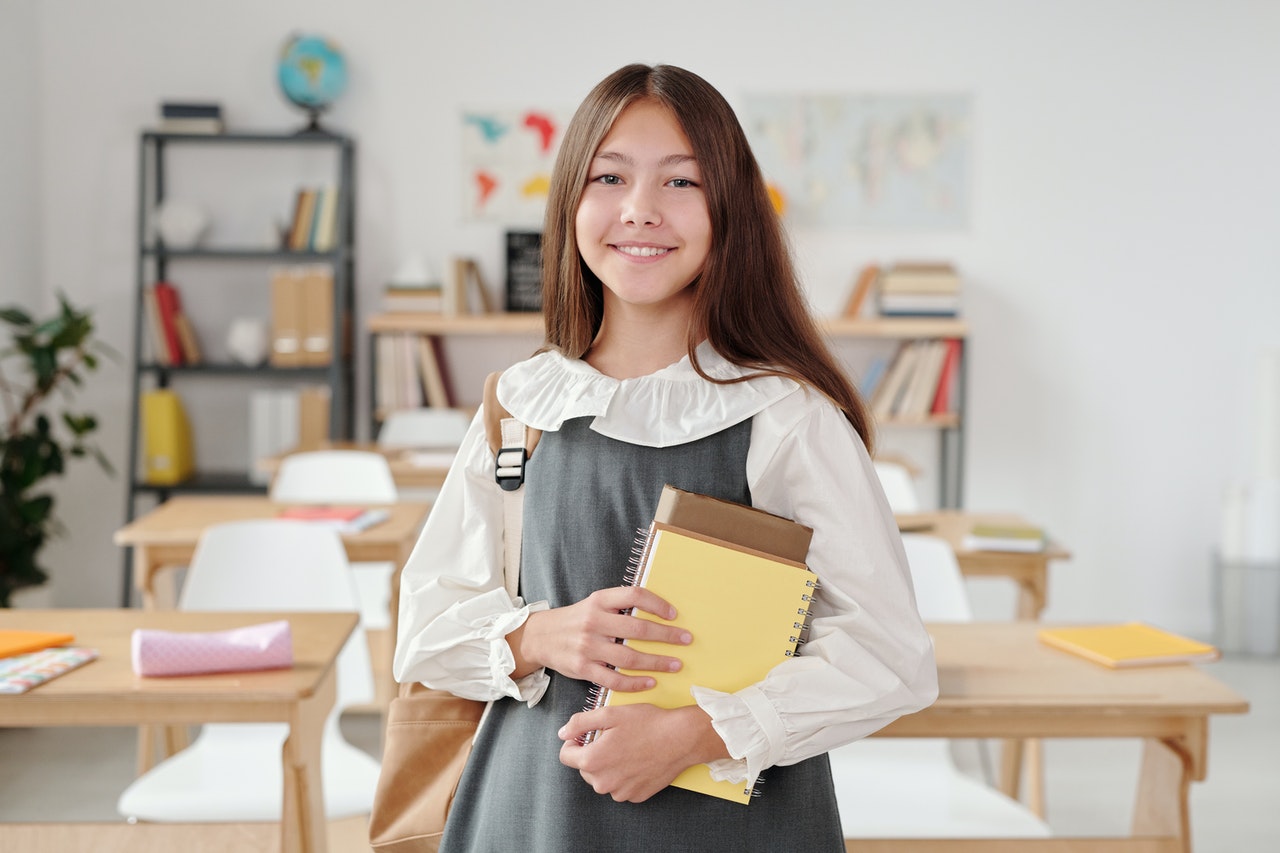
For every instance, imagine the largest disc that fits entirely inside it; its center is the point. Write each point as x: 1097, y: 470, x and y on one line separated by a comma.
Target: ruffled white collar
x: 669, y: 407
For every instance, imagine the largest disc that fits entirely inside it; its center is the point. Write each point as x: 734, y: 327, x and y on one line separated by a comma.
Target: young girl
x: 679, y: 350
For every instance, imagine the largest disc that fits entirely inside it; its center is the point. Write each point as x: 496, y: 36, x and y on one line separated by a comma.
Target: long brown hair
x: 747, y: 300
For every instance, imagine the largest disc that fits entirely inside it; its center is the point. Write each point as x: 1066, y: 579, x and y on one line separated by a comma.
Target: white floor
x: 76, y: 774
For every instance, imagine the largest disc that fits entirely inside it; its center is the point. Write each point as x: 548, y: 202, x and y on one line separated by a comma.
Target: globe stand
x: 313, y: 127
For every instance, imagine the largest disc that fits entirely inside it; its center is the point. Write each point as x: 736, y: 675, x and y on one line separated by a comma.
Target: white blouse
x: 868, y: 660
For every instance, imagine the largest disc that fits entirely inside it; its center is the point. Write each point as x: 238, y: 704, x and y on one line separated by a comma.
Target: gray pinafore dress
x: 585, y: 498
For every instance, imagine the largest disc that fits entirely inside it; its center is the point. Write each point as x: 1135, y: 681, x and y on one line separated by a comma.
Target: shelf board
x: 243, y: 254
x: 895, y: 327
x: 205, y: 482
x: 231, y: 369
x: 531, y: 323
x: 502, y: 323
x: 949, y: 421
x: 248, y: 137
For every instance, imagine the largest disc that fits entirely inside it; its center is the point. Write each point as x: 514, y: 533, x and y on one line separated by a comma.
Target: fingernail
x: 674, y: 666
x: 649, y: 682
x: 671, y: 614
x: 561, y: 732
x: 686, y: 638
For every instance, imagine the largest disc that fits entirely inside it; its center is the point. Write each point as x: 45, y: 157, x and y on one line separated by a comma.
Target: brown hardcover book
x: 861, y: 290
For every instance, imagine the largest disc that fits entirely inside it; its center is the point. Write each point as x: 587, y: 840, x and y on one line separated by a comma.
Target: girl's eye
x: 682, y: 183
x: 608, y: 180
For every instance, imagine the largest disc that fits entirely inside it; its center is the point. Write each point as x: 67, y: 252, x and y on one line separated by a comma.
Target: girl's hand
x: 580, y: 640
x: 639, y: 748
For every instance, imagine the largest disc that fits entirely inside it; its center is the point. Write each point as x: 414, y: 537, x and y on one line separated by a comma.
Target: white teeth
x: 642, y: 251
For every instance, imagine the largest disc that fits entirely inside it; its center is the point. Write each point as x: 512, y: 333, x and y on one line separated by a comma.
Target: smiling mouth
x: 642, y: 251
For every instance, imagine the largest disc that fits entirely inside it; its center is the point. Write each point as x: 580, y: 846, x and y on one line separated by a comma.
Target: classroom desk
x: 422, y: 468
x: 105, y: 692
x: 997, y: 680
x: 166, y: 537
x: 1031, y: 574
x: 1029, y: 571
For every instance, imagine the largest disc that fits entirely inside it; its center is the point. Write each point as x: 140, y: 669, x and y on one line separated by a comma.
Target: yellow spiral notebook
x: 1129, y: 644
x: 746, y: 610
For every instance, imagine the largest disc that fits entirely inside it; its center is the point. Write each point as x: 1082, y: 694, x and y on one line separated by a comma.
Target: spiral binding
x: 596, y: 694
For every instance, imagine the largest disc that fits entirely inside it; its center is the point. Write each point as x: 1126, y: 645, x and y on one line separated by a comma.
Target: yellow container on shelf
x: 167, y: 456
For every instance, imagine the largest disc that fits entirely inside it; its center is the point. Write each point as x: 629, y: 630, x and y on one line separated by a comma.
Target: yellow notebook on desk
x: 1129, y: 644
x: 16, y: 641
x: 745, y: 609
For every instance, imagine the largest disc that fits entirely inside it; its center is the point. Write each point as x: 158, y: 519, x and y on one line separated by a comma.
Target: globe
x: 312, y: 74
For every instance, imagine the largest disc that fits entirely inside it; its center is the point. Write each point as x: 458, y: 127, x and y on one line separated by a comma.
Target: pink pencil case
x: 268, y: 645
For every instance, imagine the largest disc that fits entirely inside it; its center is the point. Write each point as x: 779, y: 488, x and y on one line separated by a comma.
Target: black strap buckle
x: 509, y: 468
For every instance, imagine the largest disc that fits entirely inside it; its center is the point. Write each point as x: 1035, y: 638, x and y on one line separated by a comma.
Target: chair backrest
x: 898, y: 486
x: 334, y: 476
x: 271, y: 564
x: 426, y: 427
x: 941, y: 595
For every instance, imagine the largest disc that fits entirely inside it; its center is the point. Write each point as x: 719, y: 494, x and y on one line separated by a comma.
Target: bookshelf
x: 949, y: 426
x: 157, y: 262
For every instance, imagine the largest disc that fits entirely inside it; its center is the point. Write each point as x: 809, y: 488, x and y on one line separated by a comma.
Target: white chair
x: 898, y: 485
x: 334, y: 476
x: 912, y: 787
x: 232, y: 771
x: 425, y: 427
x: 345, y: 477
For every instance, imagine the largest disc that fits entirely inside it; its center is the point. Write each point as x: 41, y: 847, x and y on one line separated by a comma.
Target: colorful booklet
x: 344, y: 519
x: 746, y: 609
x: 1020, y: 538
x: 20, y: 673
x: 1129, y: 644
x: 15, y: 641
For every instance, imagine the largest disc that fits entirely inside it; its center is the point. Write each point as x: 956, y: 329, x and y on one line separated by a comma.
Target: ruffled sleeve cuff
x: 502, y: 663
x: 751, y: 730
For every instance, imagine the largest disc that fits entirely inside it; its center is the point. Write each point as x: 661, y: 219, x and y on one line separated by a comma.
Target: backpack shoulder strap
x: 512, y: 443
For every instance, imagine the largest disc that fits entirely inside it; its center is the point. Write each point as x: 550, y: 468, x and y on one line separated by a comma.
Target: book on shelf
x: 465, y: 290
x: 426, y: 298
x: 892, y: 389
x: 17, y: 641
x: 160, y: 352
x: 945, y: 396
x: 283, y: 419
x: 435, y: 386
x: 1129, y: 644
x: 345, y: 519
x: 920, y: 277
x: 315, y: 292
x: 872, y: 375
x: 191, y: 117
x: 863, y: 286
x: 524, y: 271
x: 745, y: 605
x: 919, y: 290
x: 179, y: 337
x: 1020, y: 538
x: 168, y: 457
x: 20, y: 673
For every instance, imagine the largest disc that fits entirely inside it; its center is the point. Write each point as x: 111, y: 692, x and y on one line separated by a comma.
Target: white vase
x: 181, y: 224
x: 247, y: 340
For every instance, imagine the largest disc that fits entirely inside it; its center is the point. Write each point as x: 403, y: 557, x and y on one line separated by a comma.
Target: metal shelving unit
x: 154, y: 260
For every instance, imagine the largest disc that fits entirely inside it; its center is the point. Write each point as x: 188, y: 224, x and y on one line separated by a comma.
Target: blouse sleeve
x: 455, y: 612
x: 869, y: 659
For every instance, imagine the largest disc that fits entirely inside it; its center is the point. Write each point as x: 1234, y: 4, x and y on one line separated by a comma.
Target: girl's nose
x: 640, y: 208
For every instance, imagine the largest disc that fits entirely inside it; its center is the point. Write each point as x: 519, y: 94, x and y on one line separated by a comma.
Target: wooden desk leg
x: 1032, y: 596
x: 1164, y: 785
x: 158, y: 590
x: 1011, y: 756
x: 303, y: 828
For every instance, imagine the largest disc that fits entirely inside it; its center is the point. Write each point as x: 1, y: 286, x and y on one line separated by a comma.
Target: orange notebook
x: 1127, y: 645
x: 17, y: 642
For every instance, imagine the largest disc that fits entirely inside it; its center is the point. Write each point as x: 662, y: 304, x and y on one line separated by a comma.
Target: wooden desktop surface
x: 106, y: 692
x: 997, y: 680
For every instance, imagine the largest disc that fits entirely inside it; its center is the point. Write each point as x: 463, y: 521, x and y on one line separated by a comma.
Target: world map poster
x: 898, y: 161
x: 507, y: 159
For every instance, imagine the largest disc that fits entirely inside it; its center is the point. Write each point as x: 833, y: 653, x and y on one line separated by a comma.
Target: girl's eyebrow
x: 628, y: 160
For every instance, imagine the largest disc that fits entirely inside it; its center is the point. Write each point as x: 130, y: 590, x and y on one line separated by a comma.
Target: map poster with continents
x: 507, y: 159
x: 864, y: 160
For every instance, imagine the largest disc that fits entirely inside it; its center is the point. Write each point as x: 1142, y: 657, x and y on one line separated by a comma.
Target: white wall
x: 1121, y: 260
x: 20, y: 282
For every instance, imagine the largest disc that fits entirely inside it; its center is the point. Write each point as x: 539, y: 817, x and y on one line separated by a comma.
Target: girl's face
x: 642, y: 224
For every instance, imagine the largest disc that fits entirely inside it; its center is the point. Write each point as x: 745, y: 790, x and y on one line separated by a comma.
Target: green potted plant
x: 35, y: 442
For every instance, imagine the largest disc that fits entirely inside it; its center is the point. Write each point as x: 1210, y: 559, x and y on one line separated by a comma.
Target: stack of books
x: 188, y: 117
x: 918, y: 381
x: 314, y: 225
x: 919, y: 290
